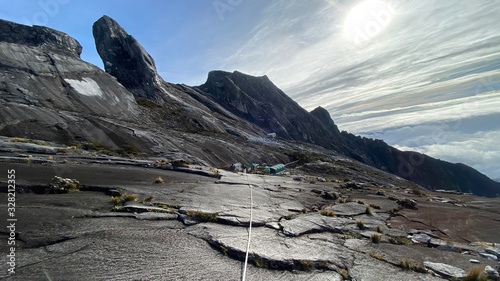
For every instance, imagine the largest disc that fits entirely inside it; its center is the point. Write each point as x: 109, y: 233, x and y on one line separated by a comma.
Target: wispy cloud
x: 433, y: 67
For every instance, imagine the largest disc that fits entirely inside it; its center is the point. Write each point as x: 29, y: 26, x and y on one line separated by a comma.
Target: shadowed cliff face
x: 325, y: 118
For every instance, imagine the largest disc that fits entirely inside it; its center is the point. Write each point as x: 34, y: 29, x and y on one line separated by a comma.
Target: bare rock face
x: 126, y: 59
x: 47, y: 92
x: 41, y: 37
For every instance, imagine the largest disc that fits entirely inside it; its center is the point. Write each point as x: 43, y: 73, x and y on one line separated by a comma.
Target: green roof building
x: 277, y: 169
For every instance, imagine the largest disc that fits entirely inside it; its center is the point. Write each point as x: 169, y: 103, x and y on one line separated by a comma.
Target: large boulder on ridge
x: 127, y: 60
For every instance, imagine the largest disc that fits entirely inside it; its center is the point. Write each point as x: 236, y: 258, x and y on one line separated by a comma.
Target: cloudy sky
x: 422, y: 75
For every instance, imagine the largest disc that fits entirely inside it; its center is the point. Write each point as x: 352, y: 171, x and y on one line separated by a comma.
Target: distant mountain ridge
x: 259, y: 101
x: 48, y: 92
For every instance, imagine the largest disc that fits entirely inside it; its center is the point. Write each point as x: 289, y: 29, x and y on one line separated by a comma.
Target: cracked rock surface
x: 195, y: 227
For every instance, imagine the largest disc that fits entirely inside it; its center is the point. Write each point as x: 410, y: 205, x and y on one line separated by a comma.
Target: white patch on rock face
x: 87, y: 87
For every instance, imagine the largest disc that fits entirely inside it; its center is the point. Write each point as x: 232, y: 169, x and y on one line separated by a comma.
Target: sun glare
x: 366, y: 20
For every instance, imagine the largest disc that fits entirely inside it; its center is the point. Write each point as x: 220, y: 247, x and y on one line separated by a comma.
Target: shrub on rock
x: 63, y: 185
x: 407, y: 203
x: 180, y: 163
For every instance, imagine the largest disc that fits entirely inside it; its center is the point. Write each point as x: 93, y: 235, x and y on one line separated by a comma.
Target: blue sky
x: 422, y: 75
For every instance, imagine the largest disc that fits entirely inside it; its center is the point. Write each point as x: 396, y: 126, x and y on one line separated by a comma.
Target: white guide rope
x: 243, y: 277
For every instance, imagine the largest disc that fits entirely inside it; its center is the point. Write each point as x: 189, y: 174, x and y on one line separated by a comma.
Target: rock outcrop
x: 127, y: 60
x: 47, y: 92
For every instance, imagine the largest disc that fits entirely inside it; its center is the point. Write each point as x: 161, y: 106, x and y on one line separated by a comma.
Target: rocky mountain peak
x: 126, y: 59
x: 324, y: 116
x: 45, y: 38
x: 258, y: 88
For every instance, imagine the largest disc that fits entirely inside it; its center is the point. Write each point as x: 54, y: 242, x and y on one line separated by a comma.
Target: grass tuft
x: 203, y: 216
x: 360, y: 224
x: 129, y: 197
x: 181, y: 163
x: 117, y: 200
x: 476, y: 273
x: 306, y: 265
x: 260, y: 263
x: 23, y: 140
x: 400, y: 241
x: 158, y: 180
x: 377, y: 256
x: 328, y: 213
x: 375, y: 238
x: 224, y: 250
x: 148, y: 199
x: 409, y: 265
x: 345, y: 274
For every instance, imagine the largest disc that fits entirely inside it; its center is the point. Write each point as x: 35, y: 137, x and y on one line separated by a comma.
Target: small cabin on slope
x: 277, y: 169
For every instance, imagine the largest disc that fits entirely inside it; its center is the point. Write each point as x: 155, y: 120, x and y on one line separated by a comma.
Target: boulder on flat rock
x: 493, y: 251
x: 491, y: 273
x: 433, y: 242
x: 421, y: 238
x: 445, y: 270
x: 488, y: 256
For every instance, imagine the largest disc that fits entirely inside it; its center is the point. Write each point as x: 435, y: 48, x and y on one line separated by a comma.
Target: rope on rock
x: 243, y: 277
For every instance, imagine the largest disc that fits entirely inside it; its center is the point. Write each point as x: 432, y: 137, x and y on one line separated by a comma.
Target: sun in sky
x: 366, y: 20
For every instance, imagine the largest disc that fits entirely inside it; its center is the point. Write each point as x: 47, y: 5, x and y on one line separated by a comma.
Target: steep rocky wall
x: 47, y: 91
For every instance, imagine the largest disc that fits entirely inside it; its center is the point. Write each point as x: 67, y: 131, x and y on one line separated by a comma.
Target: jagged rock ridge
x: 259, y: 101
x: 48, y: 92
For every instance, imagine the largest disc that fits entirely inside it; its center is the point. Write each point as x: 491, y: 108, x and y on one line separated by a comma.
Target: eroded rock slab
x: 156, y: 216
x: 348, y: 209
x: 315, y: 222
x: 273, y: 250
x: 136, y: 208
x: 367, y: 268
